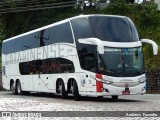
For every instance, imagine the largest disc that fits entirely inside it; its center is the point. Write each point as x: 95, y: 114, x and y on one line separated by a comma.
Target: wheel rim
x: 19, y: 89
x: 72, y: 89
x: 12, y: 88
x: 60, y: 87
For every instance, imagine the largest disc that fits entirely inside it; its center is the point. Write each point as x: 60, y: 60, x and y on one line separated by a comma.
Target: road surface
x: 95, y: 107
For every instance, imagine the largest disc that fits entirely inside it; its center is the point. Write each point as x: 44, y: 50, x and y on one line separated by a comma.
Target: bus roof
x: 60, y: 22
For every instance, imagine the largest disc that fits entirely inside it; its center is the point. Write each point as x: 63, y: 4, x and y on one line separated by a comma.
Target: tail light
x: 99, y: 84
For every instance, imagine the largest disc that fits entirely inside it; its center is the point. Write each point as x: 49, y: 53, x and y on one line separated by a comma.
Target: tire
x: 26, y: 92
x: 75, y: 91
x: 100, y: 97
x: 19, y: 89
x: 13, y: 89
x: 115, y: 97
x: 64, y: 94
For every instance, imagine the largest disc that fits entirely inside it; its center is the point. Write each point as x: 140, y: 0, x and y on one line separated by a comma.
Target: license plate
x: 125, y: 92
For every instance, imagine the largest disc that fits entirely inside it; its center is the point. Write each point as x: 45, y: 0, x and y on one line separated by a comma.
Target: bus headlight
x: 142, y: 79
x: 108, y: 82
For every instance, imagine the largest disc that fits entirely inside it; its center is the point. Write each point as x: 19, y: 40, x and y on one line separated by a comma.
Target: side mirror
x: 154, y: 45
x: 93, y: 41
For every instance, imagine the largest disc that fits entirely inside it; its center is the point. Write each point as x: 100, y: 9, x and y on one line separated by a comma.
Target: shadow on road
x: 70, y: 97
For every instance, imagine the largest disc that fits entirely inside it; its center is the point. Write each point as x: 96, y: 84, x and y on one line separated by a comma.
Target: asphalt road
x: 95, y: 107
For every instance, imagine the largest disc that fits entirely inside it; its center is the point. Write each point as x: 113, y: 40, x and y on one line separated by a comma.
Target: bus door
x: 90, y: 73
x: 26, y: 76
x: 37, y: 82
x: 37, y: 70
x: 46, y: 81
x: 41, y: 82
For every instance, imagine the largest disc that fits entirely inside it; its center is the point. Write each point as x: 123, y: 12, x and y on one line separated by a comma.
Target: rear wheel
x: 61, y: 89
x: 19, y: 89
x: 13, y: 89
x: 75, y: 91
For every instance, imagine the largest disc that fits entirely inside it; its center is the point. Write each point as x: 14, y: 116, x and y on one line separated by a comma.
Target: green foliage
x: 26, y: 21
x: 145, y: 16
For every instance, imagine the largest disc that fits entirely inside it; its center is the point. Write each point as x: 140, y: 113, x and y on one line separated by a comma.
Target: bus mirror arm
x: 154, y: 45
x: 93, y: 41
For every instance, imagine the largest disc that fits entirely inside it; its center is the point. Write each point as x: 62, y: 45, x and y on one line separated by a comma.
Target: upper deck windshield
x: 114, y: 29
x: 121, y: 62
x: 105, y: 28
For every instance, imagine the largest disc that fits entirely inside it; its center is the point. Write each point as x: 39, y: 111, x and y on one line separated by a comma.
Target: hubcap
x: 60, y: 87
x: 72, y: 90
x: 12, y: 88
x: 19, y: 88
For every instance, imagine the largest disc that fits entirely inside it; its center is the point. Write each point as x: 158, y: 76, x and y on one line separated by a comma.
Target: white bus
x: 87, y: 55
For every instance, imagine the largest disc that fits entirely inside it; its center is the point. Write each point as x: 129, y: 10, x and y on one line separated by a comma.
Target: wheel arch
x: 11, y: 82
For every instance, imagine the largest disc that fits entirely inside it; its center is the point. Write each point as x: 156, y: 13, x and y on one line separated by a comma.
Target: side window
x: 88, y: 61
x: 47, y: 66
x: 81, y: 28
x: 20, y: 44
x: 57, y: 34
x: 28, y: 42
x: 42, y: 37
x: 61, y: 34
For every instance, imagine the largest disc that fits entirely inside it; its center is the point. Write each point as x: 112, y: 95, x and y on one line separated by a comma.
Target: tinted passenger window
x: 42, y: 37
x: 20, y: 44
x: 60, y: 33
x: 113, y: 29
x: 81, y: 28
x: 57, y: 34
x: 46, y: 66
x: 88, y: 61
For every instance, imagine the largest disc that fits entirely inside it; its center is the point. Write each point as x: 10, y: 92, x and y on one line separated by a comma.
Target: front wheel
x: 115, y: 97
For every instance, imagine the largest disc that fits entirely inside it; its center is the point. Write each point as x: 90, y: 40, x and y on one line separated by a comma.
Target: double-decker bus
x: 86, y: 55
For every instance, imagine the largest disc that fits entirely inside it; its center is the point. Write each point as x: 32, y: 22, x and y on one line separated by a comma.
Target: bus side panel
x: 48, y: 83
x: 78, y: 77
x: 26, y: 82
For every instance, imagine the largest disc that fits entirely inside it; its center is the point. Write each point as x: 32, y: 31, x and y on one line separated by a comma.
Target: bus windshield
x: 121, y: 62
x: 113, y: 29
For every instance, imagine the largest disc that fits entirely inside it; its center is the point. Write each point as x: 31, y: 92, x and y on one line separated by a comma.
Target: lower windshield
x: 121, y: 62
